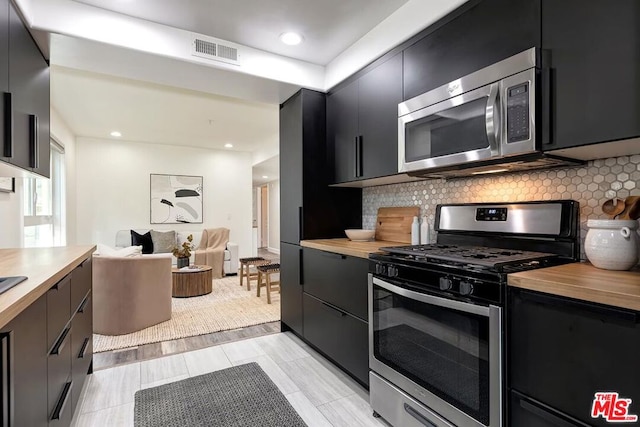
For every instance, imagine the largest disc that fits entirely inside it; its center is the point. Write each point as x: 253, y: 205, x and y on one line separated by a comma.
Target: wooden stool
x: 245, y: 269
x: 264, y: 274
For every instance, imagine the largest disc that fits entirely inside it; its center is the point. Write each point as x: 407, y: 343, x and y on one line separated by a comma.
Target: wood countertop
x: 584, y: 282
x: 348, y: 247
x: 44, y: 267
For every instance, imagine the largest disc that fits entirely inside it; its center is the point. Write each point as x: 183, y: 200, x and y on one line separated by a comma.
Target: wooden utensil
x: 630, y: 207
x: 613, y: 207
x: 394, y: 224
x: 634, y: 210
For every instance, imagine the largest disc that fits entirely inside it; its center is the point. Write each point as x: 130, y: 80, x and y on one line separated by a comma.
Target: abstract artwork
x: 176, y: 199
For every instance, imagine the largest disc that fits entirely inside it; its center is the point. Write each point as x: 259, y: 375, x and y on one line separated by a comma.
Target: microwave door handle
x: 492, y: 119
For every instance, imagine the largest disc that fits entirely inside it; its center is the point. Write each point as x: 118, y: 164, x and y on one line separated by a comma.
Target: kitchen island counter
x: 44, y: 267
x: 349, y: 247
x: 585, y: 282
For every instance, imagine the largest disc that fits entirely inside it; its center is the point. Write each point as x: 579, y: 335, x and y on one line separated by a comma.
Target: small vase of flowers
x: 183, y: 253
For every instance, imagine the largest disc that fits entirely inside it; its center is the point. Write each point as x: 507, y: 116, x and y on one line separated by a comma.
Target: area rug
x: 228, y: 306
x: 241, y: 396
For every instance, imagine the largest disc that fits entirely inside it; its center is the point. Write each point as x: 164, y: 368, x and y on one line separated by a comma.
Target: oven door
x: 458, y: 130
x: 445, y: 353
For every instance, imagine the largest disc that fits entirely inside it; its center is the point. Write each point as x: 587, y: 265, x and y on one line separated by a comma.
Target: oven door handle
x: 433, y: 300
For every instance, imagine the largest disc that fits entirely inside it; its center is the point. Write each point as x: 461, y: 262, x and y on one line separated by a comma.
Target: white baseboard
x: 273, y: 250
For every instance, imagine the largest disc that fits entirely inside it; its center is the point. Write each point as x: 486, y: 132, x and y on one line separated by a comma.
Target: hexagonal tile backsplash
x: 590, y: 185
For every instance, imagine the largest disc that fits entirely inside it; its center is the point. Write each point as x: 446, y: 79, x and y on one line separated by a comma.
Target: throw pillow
x: 129, y: 251
x: 143, y: 240
x: 163, y: 241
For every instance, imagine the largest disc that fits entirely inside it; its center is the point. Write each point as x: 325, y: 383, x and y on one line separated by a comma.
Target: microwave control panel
x: 518, y: 113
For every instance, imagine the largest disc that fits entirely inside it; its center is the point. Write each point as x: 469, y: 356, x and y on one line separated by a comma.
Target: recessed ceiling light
x: 228, y: 145
x: 265, y: 176
x: 291, y: 38
x: 116, y: 134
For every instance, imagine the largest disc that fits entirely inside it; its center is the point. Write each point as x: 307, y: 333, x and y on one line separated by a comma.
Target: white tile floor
x: 321, y: 393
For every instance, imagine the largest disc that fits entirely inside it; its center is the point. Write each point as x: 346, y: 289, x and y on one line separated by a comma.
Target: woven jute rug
x: 241, y: 396
x: 228, y: 306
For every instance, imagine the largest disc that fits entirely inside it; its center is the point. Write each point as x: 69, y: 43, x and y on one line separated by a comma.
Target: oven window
x: 443, y: 350
x: 456, y: 130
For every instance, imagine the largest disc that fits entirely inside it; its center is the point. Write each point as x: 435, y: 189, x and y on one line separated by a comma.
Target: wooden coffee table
x: 192, y: 282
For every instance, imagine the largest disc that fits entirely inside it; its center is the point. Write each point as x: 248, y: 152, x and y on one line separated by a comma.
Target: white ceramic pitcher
x: 612, y: 244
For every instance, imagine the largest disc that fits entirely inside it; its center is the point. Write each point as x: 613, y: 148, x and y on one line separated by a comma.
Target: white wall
x: 274, y: 216
x: 113, y: 188
x: 11, y: 218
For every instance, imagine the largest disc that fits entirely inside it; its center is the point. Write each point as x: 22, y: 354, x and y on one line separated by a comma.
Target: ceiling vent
x: 217, y: 50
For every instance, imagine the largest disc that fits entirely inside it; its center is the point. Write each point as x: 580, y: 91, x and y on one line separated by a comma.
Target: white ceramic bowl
x: 360, y: 235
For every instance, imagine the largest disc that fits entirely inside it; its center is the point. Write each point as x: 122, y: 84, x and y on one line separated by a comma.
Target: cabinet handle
x: 34, y: 140
x: 83, y: 305
x: 62, y: 341
x: 58, y: 286
x: 300, y: 267
x: 300, y: 224
x: 83, y: 349
x: 356, y: 165
x: 334, y: 311
x: 333, y: 255
x: 360, y: 150
x: 62, y: 402
x: 418, y: 416
x: 547, y: 416
x: 8, y: 125
x: 7, y: 376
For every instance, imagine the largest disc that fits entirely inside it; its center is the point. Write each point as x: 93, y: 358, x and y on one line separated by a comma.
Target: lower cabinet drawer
x: 80, y: 284
x: 59, y: 381
x: 58, y: 309
x: 340, y: 280
x: 338, y: 335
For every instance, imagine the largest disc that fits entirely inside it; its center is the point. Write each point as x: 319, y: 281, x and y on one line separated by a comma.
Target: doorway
x: 264, y: 217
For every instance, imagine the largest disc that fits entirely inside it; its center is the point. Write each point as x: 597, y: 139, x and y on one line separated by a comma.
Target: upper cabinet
x: 470, y: 38
x: 309, y: 209
x: 362, y: 124
x: 25, y: 103
x: 593, y: 47
x: 4, y: 72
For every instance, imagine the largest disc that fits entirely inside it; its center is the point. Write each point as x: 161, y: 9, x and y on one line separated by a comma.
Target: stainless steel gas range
x: 436, y: 312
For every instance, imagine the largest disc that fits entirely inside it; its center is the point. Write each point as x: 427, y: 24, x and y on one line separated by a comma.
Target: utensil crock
x: 612, y: 244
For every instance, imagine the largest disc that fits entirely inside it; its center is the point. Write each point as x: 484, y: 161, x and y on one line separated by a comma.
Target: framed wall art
x: 176, y: 199
x: 7, y: 185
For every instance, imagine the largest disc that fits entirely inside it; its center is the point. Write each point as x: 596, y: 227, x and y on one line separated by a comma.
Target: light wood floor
x: 321, y: 393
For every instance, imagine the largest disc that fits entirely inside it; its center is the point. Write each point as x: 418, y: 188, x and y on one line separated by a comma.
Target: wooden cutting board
x: 394, y: 224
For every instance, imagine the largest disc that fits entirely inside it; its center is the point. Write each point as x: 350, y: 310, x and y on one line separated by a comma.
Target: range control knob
x: 392, y: 271
x: 466, y: 288
x: 445, y: 284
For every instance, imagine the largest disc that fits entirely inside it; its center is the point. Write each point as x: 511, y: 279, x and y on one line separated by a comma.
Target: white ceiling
x: 93, y: 105
x: 328, y: 26
x: 269, y: 168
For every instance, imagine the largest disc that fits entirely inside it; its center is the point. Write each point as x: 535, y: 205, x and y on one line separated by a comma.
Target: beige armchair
x: 130, y: 293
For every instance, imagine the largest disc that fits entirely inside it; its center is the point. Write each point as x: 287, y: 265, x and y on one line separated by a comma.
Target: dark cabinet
x: 25, y: 103
x: 563, y: 351
x: 340, y: 280
x: 594, y: 65
x: 529, y: 413
x: 4, y: 74
x: 291, y: 286
x: 362, y: 124
x: 473, y: 37
x: 339, y: 335
x: 46, y: 355
x: 25, y: 366
x: 309, y: 209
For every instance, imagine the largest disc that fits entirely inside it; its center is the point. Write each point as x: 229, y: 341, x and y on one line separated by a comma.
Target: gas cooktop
x: 479, y: 256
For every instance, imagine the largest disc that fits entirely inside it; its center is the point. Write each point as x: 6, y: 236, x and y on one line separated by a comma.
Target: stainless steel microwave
x: 485, y: 121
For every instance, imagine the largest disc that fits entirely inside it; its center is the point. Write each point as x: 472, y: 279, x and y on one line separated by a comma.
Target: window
x: 44, y: 205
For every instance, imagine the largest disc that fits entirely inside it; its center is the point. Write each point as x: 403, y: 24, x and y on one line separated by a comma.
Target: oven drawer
x: 338, y: 335
x: 340, y: 280
x: 563, y: 351
x: 398, y: 408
